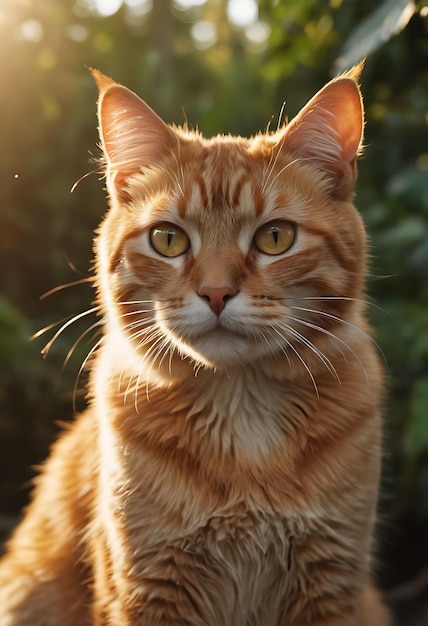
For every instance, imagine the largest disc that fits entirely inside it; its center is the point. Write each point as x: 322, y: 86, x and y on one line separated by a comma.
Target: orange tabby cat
x: 226, y: 472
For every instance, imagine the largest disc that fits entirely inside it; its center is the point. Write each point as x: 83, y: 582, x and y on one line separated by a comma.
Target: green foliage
x: 417, y: 439
x: 388, y: 19
x: 47, y: 107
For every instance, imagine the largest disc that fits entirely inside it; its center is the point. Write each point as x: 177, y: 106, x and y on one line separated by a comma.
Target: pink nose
x: 217, y: 297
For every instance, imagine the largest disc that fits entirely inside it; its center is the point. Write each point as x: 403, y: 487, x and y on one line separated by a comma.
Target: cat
x: 226, y: 471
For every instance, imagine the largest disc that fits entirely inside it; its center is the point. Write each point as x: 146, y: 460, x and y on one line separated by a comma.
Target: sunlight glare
x: 139, y: 8
x: 258, y: 33
x: 204, y: 34
x: 184, y: 5
x: 31, y: 30
x: 105, y: 8
x: 241, y: 13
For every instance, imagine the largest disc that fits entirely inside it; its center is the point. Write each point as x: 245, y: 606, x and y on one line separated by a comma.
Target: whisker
x: 280, y: 116
x: 179, y: 162
x: 73, y: 283
x: 82, y: 367
x: 283, y: 350
x: 334, y: 337
x: 96, y: 171
x: 299, y: 356
x: 70, y: 318
x: 180, y: 167
x: 328, y: 364
x: 271, y: 165
x: 152, y: 309
x: 76, y: 270
x: 282, y: 170
x: 49, y: 327
x: 136, y: 324
x: 79, y: 339
x: 146, y: 332
x: 342, y: 321
x: 152, y: 355
x: 126, y: 302
x: 367, y: 301
x: 59, y: 332
x: 333, y: 317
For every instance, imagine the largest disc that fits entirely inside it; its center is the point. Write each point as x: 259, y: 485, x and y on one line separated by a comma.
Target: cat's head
x: 229, y: 250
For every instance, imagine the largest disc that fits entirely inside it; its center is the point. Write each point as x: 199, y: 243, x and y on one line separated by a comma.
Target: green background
x: 235, y: 82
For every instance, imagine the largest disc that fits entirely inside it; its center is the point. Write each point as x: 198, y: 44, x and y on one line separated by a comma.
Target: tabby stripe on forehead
x: 181, y: 204
x: 204, y: 181
x: 242, y: 195
x: 198, y: 196
x: 233, y: 185
x: 258, y: 201
x: 247, y: 196
x: 219, y: 188
x: 236, y: 194
x: 192, y: 200
x: 203, y: 191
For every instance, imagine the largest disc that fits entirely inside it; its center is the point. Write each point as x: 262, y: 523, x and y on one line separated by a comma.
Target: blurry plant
x: 388, y: 19
x: 229, y: 79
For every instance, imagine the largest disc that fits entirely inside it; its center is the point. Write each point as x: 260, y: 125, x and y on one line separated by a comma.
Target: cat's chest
x: 191, y: 455
x: 243, y: 414
x: 248, y: 537
x: 240, y: 569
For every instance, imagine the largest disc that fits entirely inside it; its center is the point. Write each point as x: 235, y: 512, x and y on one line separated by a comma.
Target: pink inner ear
x: 133, y: 136
x: 328, y: 130
x: 345, y: 104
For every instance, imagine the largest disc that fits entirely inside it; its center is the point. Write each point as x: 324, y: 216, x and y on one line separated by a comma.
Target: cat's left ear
x: 133, y: 136
x: 328, y: 131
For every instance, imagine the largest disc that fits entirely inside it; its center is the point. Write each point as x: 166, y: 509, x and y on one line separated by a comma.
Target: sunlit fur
x: 226, y: 470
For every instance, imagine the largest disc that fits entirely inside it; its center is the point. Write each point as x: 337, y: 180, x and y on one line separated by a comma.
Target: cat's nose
x: 217, y: 297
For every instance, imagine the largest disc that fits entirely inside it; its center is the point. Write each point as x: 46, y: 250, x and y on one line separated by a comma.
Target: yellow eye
x: 169, y: 240
x: 275, y: 237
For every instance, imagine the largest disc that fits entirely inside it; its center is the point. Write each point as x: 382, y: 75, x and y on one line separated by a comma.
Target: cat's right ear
x: 133, y: 136
x: 328, y: 131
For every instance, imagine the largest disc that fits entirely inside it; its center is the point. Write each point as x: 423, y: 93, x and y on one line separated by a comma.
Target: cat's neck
x: 239, y: 396
x: 230, y: 423
x: 233, y: 418
x: 126, y: 372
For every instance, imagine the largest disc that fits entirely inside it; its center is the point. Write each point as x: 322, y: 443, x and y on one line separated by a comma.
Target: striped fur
x: 226, y: 471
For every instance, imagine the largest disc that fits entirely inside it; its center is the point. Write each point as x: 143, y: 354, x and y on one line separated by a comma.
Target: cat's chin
x: 221, y: 348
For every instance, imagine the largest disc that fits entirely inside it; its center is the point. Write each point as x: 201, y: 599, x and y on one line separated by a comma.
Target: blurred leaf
x: 417, y: 436
x: 387, y: 20
x: 13, y: 336
x: 411, y: 187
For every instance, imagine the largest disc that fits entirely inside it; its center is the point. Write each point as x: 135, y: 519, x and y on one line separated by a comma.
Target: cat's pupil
x: 275, y: 234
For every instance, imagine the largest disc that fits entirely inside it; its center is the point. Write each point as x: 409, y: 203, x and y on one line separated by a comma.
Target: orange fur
x: 226, y: 472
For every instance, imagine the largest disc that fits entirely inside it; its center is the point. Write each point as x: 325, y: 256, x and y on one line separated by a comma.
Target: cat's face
x: 228, y: 250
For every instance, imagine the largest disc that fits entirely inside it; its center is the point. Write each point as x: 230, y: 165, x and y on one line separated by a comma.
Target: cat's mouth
x: 221, y: 345
x: 224, y: 329
x: 214, y: 342
x: 220, y: 333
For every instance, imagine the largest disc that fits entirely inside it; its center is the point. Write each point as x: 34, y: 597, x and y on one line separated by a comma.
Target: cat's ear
x: 133, y: 136
x: 328, y: 131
